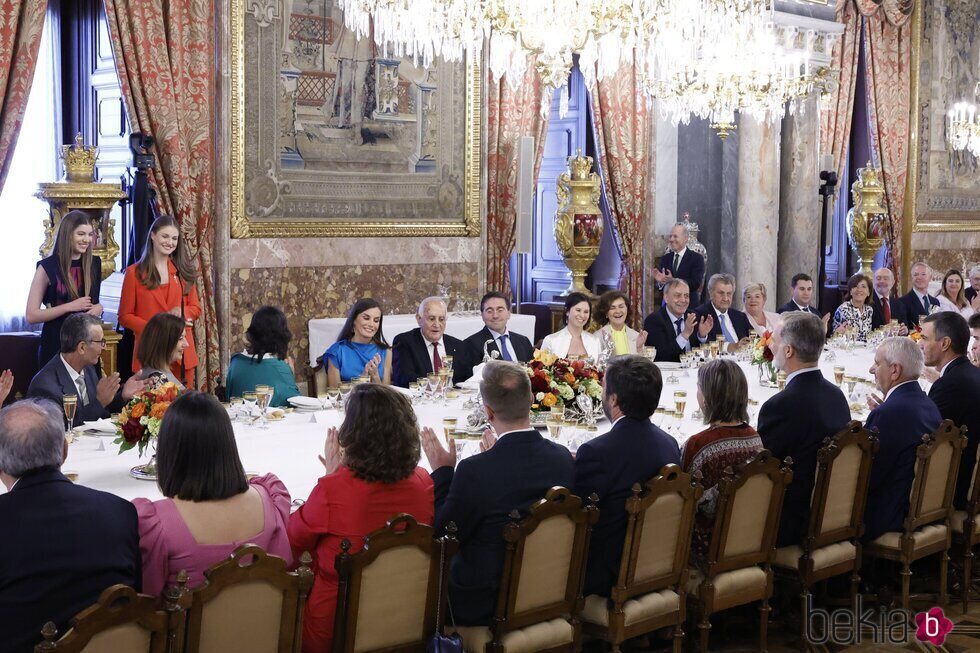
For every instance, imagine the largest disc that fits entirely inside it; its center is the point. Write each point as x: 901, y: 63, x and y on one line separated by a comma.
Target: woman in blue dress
x: 360, y: 349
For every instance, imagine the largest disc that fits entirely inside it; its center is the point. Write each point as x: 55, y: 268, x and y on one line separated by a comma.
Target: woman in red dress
x: 372, y: 474
x: 162, y: 281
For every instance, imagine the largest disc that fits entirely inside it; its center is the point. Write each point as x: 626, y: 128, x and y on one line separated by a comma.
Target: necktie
x: 436, y: 360
x: 677, y: 262
x: 723, y: 321
x: 886, y: 310
x: 925, y: 303
x: 504, y: 352
x: 680, y: 325
x: 82, y: 393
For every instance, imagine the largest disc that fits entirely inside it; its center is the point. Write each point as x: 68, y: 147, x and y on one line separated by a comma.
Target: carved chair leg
x: 764, y: 626
x: 906, y: 574
x: 703, y: 628
x: 679, y: 637
x: 943, y: 571
x: 967, y: 575
x: 803, y: 618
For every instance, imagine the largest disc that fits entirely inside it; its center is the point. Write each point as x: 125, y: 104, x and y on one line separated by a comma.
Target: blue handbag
x: 440, y: 643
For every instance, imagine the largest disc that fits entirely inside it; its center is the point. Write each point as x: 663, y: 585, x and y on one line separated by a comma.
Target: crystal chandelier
x: 963, y: 130
x: 708, y: 58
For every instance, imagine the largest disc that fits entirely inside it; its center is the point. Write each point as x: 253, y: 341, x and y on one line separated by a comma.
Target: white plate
x: 98, y: 427
x: 299, y: 401
x: 667, y: 365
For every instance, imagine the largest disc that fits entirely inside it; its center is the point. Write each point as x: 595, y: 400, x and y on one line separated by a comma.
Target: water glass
x: 236, y: 408
x: 249, y: 400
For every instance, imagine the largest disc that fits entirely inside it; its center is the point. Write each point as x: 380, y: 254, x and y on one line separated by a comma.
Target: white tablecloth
x: 289, y: 448
x: 324, y: 331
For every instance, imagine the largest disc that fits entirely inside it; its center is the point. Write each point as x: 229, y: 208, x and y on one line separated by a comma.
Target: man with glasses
x: 76, y: 372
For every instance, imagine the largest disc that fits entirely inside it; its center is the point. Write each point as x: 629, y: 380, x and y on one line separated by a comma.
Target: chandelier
x: 708, y: 58
x: 964, y: 127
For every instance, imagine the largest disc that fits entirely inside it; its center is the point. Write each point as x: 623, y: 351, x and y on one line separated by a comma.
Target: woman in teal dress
x: 264, y: 361
x: 360, y: 349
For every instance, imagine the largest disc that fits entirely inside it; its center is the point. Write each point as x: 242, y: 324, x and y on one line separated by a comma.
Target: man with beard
x: 633, y: 451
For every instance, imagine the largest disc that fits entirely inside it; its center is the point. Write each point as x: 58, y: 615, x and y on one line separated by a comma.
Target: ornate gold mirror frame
x: 243, y: 226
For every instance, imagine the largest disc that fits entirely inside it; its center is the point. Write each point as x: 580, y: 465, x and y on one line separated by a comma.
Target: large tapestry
x: 948, y: 182
x: 333, y: 136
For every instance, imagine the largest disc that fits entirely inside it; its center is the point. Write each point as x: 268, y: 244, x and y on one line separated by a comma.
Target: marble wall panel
x: 758, y: 205
x: 304, y: 293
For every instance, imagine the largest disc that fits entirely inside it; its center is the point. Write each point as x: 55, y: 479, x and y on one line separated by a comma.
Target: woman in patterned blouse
x: 856, y: 311
x: 723, y: 396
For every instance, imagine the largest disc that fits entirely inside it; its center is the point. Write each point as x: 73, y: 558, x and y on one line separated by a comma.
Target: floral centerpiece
x: 139, y: 422
x: 762, y: 356
x: 560, y: 382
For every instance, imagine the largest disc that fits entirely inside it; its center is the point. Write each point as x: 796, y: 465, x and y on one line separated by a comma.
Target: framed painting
x: 331, y: 137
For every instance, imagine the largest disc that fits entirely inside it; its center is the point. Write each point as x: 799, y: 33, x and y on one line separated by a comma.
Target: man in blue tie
x: 727, y: 321
x: 671, y: 328
x: 494, y: 337
x: 918, y: 301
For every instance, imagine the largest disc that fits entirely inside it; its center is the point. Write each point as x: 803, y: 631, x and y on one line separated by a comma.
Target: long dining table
x: 289, y: 447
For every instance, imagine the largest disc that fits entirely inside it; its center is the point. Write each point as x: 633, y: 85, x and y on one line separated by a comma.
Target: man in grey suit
x: 76, y: 372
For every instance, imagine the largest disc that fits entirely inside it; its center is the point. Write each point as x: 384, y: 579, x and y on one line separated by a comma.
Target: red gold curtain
x: 165, y: 57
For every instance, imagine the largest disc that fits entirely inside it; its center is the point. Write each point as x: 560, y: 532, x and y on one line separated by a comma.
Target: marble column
x: 663, y: 200
x: 757, y: 205
x: 799, y: 202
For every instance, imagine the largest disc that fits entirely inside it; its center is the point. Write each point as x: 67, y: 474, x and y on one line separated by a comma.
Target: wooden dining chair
x: 389, y: 592
x: 737, y: 569
x: 832, y: 545
x: 926, y: 530
x: 250, y: 603
x: 122, y: 620
x: 649, y: 592
x: 540, y: 595
x: 966, y: 530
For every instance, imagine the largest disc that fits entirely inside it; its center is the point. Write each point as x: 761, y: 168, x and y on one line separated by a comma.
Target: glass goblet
x: 249, y: 401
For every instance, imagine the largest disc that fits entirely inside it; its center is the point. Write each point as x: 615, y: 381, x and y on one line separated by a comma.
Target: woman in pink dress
x: 210, y: 509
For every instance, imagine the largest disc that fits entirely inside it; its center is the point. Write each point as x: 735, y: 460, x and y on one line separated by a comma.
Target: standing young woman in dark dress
x: 66, y: 282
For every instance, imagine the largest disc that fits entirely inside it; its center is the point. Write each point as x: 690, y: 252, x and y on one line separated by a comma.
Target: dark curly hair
x: 268, y: 334
x: 380, y: 435
x: 606, y: 300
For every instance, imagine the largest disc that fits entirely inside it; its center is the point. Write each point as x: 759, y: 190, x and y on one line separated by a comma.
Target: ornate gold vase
x: 868, y: 220
x: 578, y: 221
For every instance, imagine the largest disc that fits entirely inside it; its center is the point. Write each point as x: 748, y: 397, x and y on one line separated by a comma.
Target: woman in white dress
x: 754, y: 301
x: 574, y: 340
x: 952, y: 298
x: 616, y: 337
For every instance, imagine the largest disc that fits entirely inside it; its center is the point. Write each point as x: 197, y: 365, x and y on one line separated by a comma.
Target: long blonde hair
x: 64, y: 248
x: 147, y: 271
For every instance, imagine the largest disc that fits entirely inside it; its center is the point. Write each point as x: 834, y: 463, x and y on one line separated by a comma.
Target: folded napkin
x: 473, y: 383
x: 305, y: 402
x: 106, y: 426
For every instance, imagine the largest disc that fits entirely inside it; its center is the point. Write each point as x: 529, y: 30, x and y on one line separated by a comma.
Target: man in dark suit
x: 971, y: 292
x: 885, y: 304
x: 633, y: 451
x: 918, y: 301
x: 515, y: 469
x: 76, y: 372
x: 802, y: 296
x: 62, y: 543
x: 681, y: 262
x: 945, y: 337
x: 509, y: 346
x: 902, y: 417
x: 796, y: 421
x: 420, y: 352
x: 725, y: 320
x: 671, y: 327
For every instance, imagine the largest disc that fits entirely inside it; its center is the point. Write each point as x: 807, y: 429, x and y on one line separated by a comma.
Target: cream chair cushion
x: 828, y: 556
x: 535, y: 637
x: 936, y: 478
x: 391, y: 608
x: 640, y: 608
x: 126, y: 637
x: 244, y: 618
x: 923, y: 537
x: 658, y: 540
x: 749, y: 521
x: 730, y: 582
x: 842, y: 490
x: 546, y: 563
x: 959, y: 518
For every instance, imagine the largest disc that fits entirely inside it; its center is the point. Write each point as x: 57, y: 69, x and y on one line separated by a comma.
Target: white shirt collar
x: 680, y: 253
x: 803, y: 370
x: 617, y: 420
x: 892, y: 389
x: 720, y: 313
x: 943, y: 370
x: 71, y: 370
x: 496, y: 334
x: 673, y: 318
x: 801, y: 306
x: 920, y: 295
x: 505, y: 433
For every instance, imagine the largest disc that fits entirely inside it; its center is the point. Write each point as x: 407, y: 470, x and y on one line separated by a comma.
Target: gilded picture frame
x: 407, y: 192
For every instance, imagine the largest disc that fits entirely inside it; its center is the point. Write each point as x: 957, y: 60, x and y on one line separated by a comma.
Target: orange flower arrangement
x: 140, y: 420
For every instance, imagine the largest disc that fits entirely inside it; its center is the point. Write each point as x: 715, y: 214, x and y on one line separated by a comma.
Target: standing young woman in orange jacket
x: 162, y: 281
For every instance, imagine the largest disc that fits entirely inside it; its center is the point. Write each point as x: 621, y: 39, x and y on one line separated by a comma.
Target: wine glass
x: 70, y: 404
x: 249, y: 400
x: 413, y: 387
x: 324, y: 399
x: 554, y: 425
x: 236, y: 407
x: 263, y: 396
x: 448, y: 427
x: 432, y: 385
x: 344, y: 390
x: 334, y: 395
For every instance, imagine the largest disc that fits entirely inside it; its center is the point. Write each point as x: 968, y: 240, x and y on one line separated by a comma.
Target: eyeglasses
x: 101, y: 343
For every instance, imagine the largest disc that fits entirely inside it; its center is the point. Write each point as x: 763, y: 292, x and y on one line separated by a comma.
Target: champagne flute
x: 680, y: 401
x: 447, y: 363
x: 445, y: 380
x: 448, y: 427
x: 781, y: 380
x: 713, y: 349
x: 70, y: 404
x: 554, y: 426
x: 838, y: 374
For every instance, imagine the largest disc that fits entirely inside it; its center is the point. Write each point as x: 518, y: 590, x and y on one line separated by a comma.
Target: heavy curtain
x: 622, y: 127
x: 511, y: 114
x: 888, y: 52
x: 165, y: 58
x: 21, y: 25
